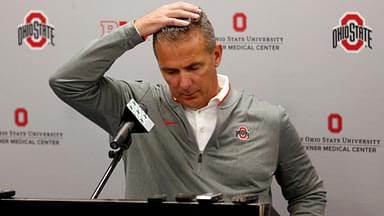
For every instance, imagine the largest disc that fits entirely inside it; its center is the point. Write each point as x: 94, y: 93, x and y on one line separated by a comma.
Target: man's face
x: 189, y: 69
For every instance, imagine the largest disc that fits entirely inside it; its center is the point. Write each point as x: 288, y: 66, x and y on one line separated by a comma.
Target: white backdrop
x: 281, y: 51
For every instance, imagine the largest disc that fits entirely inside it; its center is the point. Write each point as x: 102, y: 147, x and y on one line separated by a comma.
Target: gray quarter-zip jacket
x: 252, y: 142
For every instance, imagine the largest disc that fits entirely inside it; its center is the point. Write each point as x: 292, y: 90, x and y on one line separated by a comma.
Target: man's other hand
x: 167, y: 15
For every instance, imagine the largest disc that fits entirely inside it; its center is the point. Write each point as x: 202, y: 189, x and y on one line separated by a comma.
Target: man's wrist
x: 138, y: 32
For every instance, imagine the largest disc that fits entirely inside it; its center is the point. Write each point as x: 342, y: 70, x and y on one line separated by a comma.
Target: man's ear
x: 218, y: 53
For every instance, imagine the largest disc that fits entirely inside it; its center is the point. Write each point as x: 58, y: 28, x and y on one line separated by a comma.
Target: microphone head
x: 138, y: 114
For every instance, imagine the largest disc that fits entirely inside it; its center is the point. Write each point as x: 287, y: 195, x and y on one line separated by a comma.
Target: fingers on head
x: 184, y: 6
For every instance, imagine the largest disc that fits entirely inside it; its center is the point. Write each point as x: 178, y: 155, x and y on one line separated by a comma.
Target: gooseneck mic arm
x: 116, y: 158
x: 134, y: 120
x: 122, y: 141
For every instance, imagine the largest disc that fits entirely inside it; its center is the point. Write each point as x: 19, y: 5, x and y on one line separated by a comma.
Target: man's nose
x: 185, y: 81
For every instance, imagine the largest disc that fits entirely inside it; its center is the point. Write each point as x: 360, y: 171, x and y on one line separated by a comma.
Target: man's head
x: 188, y: 57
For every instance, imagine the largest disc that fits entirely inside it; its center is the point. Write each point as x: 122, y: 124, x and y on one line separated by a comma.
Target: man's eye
x: 193, y: 68
x: 170, y: 72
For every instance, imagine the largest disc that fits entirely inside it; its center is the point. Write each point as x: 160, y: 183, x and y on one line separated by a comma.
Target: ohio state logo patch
x: 242, y: 133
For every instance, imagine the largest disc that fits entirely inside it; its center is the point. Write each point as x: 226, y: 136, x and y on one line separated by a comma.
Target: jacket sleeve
x: 299, y: 181
x: 81, y: 83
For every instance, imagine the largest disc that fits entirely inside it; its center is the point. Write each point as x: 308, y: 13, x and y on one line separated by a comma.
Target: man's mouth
x: 188, y: 95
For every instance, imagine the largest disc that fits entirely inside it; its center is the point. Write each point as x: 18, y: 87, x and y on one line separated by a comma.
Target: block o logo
x: 335, y: 123
x: 21, y: 117
x: 239, y: 22
x: 352, y: 34
x: 35, y: 31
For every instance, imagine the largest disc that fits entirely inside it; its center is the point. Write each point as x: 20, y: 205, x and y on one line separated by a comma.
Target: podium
x: 63, y: 206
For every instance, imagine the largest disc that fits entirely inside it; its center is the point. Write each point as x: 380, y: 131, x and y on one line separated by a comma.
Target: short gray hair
x: 173, y: 33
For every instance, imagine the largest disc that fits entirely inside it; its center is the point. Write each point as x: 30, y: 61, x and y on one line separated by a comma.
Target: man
x: 208, y: 137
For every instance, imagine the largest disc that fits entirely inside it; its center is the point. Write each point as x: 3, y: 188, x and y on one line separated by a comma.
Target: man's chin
x: 190, y: 104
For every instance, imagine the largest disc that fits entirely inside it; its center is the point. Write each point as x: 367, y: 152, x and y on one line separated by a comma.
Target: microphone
x: 210, y: 197
x: 134, y: 120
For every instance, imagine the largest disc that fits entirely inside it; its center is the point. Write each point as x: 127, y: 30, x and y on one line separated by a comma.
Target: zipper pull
x: 200, y: 157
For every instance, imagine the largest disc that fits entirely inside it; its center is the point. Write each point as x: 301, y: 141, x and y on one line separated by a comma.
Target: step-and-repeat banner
x: 321, y: 60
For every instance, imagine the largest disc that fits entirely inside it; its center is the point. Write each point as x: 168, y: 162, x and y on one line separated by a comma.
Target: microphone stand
x: 122, y: 141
